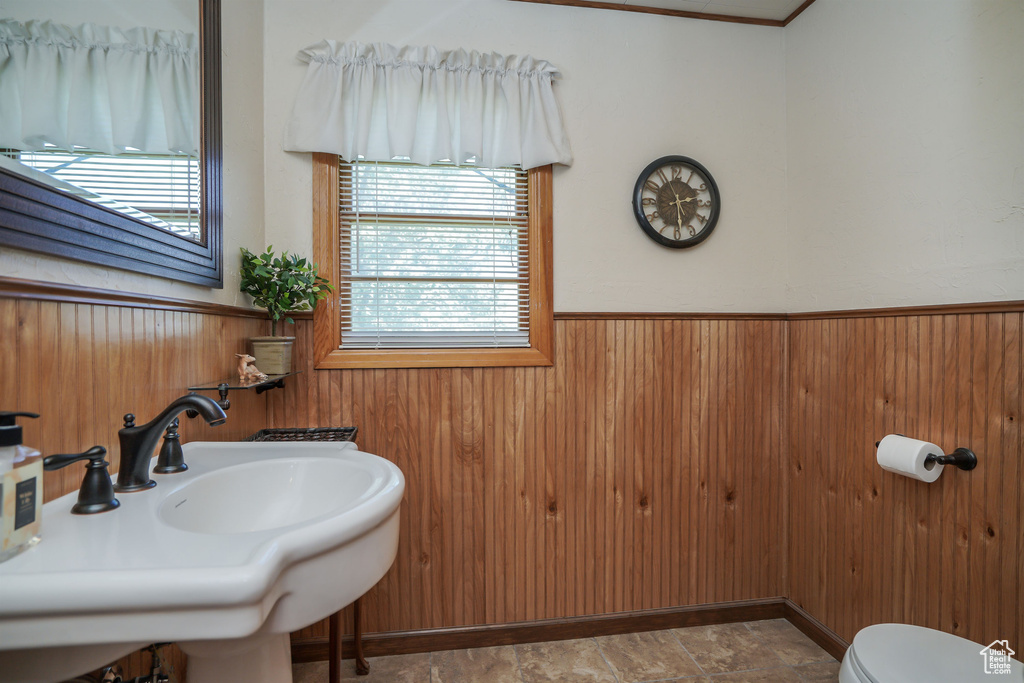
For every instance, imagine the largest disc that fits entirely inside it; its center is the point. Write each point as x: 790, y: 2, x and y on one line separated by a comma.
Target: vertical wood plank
x: 10, y: 360
x: 1009, y: 512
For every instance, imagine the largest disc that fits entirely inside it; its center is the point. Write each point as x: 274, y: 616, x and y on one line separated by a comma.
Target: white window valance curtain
x: 382, y: 102
x: 98, y: 87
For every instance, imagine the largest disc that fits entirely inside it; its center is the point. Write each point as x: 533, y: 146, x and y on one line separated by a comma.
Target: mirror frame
x: 37, y: 217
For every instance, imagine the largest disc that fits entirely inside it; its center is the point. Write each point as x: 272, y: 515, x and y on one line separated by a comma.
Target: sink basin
x: 247, y: 498
x: 254, y: 541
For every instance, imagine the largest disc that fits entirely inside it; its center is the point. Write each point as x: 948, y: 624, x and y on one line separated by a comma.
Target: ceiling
x: 763, y: 12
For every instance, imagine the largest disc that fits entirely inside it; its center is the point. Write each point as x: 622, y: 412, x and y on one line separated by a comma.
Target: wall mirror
x: 110, y: 133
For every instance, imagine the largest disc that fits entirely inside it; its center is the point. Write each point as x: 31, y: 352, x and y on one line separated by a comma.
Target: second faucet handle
x: 171, y: 458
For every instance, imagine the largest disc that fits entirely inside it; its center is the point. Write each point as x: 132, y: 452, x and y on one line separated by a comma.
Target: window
x: 433, y: 266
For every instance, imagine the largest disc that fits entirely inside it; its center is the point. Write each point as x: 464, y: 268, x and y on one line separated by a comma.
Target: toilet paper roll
x: 905, y: 456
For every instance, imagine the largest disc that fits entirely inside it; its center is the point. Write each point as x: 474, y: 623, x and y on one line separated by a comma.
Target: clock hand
x: 679, y: 201
x: 679, y: 204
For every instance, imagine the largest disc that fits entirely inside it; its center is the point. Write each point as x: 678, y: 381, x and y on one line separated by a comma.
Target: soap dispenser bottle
x: 21, y: 489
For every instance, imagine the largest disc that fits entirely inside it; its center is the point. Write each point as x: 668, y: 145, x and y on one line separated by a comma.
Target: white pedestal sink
x: 254, y: 541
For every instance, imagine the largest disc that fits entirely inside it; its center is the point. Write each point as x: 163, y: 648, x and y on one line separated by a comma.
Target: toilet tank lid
x: 901, y: 652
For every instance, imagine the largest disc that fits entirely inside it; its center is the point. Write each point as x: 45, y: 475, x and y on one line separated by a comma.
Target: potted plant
x: 280, y: 285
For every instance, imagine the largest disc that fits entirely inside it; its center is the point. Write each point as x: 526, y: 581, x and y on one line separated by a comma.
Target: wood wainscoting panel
x: 643, y: 470
x: 661, y: 462
x: 867, y: 546
x: 82, y: 366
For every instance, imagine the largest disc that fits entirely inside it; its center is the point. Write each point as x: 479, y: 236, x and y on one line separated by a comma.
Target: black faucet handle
x: 172, y: 458
x: 55, y: 462
x: 97, y: 492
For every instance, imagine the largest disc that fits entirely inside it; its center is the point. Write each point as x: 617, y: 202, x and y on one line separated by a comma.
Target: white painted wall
x: 634, y: 88
x: 242, y: 53
x: 906, y: 153
x: 173, y: 15
x: 870, y: 154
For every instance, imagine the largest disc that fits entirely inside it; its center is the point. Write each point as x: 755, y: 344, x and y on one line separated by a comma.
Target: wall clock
x: 676, y: 202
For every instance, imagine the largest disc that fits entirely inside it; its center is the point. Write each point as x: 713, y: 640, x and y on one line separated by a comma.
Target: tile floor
x: 752, y: 652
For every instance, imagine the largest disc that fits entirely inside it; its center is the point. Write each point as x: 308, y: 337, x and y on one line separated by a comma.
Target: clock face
x: 676, y: 202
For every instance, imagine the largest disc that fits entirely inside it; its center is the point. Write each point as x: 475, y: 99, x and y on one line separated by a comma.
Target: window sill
x: 434, y: 358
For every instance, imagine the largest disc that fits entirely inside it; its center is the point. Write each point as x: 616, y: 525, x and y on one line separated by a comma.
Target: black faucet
x: 138, y: 442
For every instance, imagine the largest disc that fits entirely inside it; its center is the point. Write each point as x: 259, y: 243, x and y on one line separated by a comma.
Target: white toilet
x: 900, y: 653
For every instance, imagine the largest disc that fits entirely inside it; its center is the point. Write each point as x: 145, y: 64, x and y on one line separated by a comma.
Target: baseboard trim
x: 432, y: 640
x: 825, y: 637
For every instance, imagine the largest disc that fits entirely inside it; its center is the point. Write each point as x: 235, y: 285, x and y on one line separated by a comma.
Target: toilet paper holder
x: 963, y: 458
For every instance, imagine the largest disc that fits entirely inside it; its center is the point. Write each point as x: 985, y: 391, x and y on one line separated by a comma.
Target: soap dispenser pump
x: 21, y: 488
x: 12, y: 452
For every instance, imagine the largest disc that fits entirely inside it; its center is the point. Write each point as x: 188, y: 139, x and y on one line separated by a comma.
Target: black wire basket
x: 312, y: 434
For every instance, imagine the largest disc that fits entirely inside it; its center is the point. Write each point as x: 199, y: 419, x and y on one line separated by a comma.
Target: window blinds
x: 160, y: 189
x: 433, y: 256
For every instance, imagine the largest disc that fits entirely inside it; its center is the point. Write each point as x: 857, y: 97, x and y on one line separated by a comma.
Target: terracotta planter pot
x: 273, y: 354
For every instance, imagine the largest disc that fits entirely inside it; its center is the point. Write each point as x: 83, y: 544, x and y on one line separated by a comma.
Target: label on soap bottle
x: 25, y: 505
x: 21, y: 502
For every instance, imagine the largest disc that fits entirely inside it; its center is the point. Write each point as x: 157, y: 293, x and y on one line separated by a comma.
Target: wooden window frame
x: 327, y: 317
